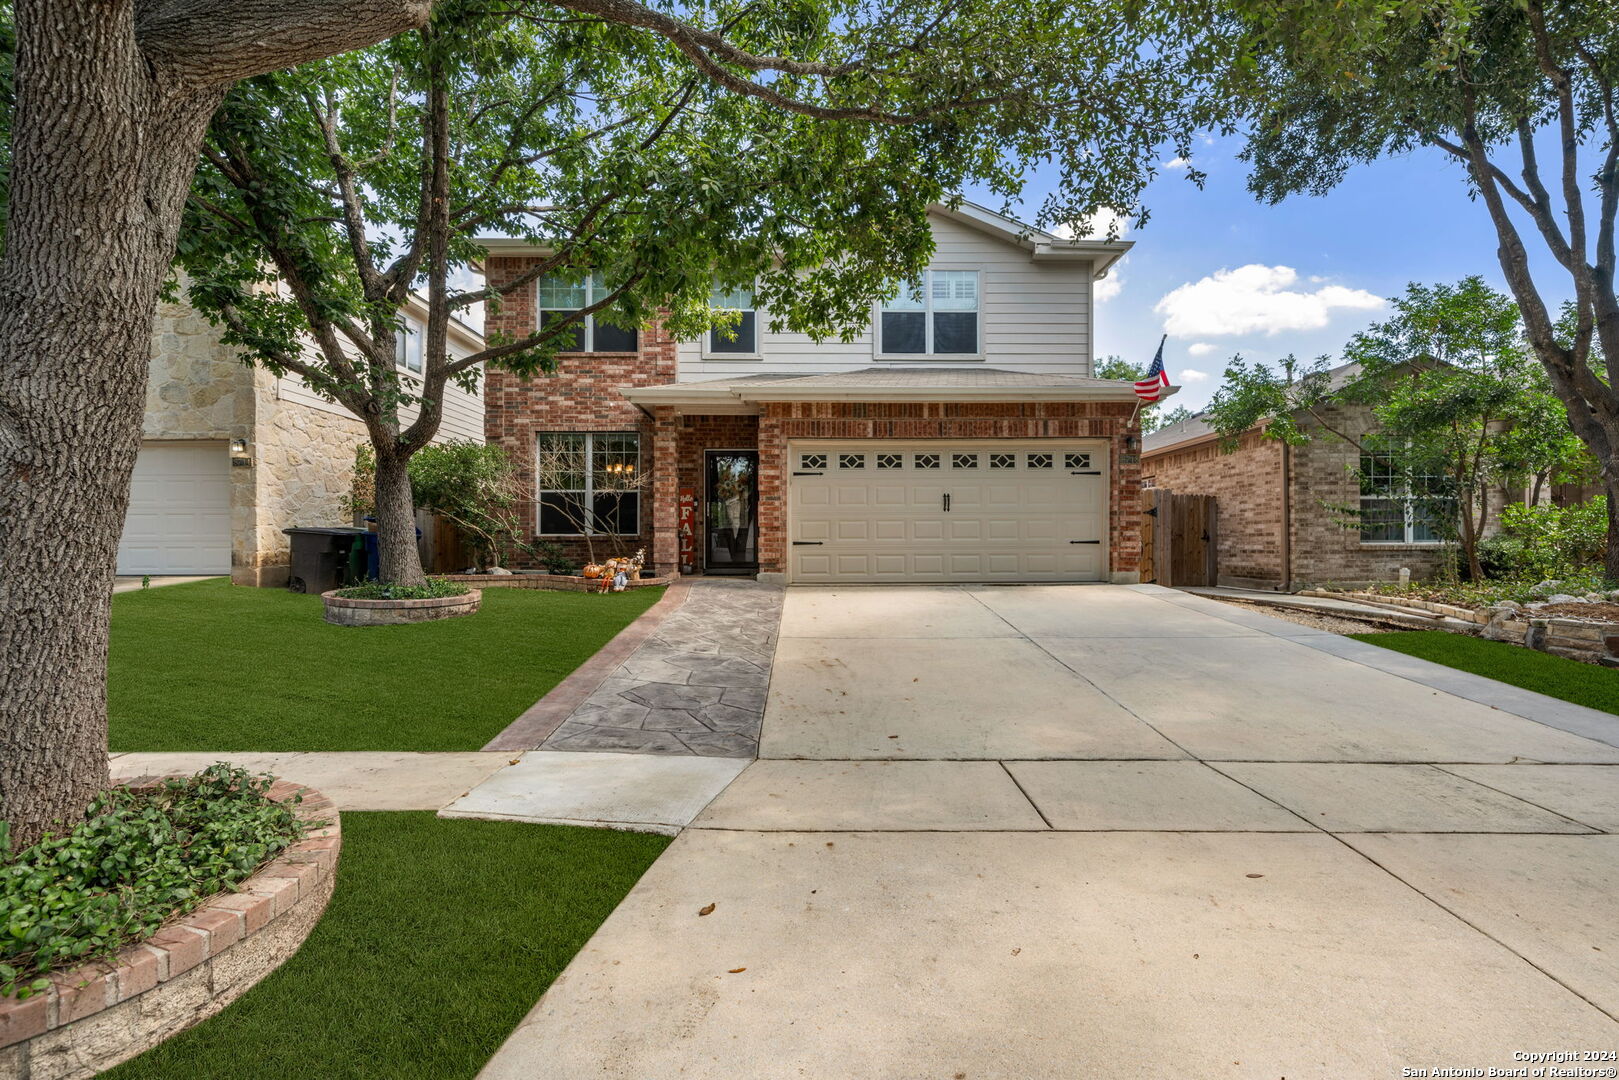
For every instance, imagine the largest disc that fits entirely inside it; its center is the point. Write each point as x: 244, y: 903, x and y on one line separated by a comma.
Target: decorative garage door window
x: 851, y: 461
x: 589, y: 482
x: 1003, y: 461
x: 890, y: 461
x: 1076, y: 461
x: 926, y: 461
x: 812, y: 461
x: 964, y: 461
x: 1039, y: 461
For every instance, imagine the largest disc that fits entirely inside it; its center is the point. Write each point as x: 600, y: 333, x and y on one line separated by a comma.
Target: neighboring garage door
x: 179, y: 511
x: 957, y: 511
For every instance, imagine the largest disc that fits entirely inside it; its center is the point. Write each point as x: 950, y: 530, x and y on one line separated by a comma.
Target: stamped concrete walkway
x: 1054, y: 832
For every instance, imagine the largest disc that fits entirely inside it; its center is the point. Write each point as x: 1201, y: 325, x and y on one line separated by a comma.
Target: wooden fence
x: 1179, y: 536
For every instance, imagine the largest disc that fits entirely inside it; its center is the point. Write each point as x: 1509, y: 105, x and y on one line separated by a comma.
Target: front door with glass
x: 731, y: 507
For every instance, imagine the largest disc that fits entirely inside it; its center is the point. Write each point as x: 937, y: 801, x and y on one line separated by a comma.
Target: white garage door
x: 179, y: 511
x: 967, y: 511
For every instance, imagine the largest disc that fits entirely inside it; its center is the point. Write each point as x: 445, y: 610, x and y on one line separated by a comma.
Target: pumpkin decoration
x: 592, y: 570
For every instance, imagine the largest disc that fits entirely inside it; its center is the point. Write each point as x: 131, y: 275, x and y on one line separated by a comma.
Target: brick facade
x: 785, y: 421
x: 581, y: 395
x: 1325, y: 545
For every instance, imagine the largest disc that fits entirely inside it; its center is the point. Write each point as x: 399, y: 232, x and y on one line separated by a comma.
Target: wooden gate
x: 1179, y: 538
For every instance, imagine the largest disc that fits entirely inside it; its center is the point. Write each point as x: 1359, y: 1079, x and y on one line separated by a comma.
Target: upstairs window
x: 742, y: 339
x: 935, y: 317
x: 560, y: 297
x: 408, y: 347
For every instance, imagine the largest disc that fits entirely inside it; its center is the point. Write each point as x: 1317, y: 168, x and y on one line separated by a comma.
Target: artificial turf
x: 441, y: 935
x: 212, y: 666
x: 1555, y: 676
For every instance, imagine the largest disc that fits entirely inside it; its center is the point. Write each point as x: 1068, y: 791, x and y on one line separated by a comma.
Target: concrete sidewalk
x: 1111, y: 831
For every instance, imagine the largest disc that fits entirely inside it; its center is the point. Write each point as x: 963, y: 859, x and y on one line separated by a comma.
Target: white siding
x: 463, y: 412
x: 1034, y: 317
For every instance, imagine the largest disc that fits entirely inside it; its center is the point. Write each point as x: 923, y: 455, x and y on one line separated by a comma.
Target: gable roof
x: 1042, y: 246
x: 1197, y: 428
x: 885, y: 384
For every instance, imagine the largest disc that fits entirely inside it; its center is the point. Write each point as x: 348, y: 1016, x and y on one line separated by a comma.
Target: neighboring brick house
x: 232, y: 454
x: 962, y: 438
x: 1282, y: 520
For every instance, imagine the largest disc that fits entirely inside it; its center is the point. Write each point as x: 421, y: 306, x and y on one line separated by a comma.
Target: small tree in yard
x: 1521, y: 94
x: 472, y: 486
x: 798, y: 144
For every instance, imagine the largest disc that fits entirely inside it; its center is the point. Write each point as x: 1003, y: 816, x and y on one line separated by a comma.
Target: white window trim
x: 1408, y: 510
x: 590, y: 483
x: 589, y: 320
x: 758, y: 339
x: 410, y: 330
x: 927, y: 309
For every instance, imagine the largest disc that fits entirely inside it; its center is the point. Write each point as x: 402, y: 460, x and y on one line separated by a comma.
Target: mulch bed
x: 1600, y: 612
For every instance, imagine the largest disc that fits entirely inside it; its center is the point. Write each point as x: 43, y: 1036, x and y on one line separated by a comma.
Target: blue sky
x: 1402, y: 219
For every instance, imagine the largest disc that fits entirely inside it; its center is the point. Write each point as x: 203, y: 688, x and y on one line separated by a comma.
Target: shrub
x: 553, y: 559
x: 138, y: 858
x: 1558, y: 541
x: 381, y: 590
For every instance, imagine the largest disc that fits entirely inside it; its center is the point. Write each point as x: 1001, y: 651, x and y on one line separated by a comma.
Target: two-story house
x: 232, y: 454
x: 961, y: 438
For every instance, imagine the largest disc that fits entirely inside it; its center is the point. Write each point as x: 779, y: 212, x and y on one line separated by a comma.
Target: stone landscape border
x: 562, y: 582
x: 353, y: 611
x: 1592, y: 641
x: 103, y: 1013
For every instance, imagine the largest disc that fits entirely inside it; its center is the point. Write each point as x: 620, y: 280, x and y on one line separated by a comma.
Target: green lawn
x: 212, y: 666
x: 1583, y: 684
x: 440, y: 937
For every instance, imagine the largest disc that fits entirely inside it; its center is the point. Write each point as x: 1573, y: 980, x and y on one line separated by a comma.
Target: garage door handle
x: 1086, y: 472
x: 1084, y: 541
x: 806, y: 474
x: 807, y: 543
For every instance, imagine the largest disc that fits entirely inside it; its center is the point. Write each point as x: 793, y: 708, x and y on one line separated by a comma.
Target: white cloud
x: 1256, y: 299
x: 1111, y: 286
x: 1191, y: 376
x: 1105, y: 223
x: 1174, y: 163
x: 1201, y: 348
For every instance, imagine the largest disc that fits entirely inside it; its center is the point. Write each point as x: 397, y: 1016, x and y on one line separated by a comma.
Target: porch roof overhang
x: 745, y: 395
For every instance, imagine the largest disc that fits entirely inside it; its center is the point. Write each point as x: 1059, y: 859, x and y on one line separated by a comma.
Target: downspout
x: 1287, y: 517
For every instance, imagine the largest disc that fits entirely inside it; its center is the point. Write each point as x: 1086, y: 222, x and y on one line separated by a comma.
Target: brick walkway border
x: 100, y: 1014
x: 542, y: 718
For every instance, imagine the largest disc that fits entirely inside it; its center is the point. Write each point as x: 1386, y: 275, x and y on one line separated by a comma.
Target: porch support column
x: 665, y: 490
x: 772, y: 494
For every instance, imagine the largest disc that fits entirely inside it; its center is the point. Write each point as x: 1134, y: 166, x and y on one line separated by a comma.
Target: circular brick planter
x: 95, y: 1016
x: 344, y: 611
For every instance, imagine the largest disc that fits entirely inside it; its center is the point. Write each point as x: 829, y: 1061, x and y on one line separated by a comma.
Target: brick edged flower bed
x: 563, y: 582
x: 95, y: 1016
x: 351, y: 611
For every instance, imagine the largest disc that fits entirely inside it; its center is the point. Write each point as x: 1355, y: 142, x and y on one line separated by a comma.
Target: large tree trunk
x: 107, y: 123
x: 400, y: 563
x: 102, y: 157
x: 1610, y: 486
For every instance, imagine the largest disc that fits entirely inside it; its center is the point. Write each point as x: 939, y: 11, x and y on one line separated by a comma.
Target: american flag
x: 1151, y: 387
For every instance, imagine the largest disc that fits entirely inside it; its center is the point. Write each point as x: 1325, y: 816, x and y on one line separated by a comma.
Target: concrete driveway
x: 1112, y: 831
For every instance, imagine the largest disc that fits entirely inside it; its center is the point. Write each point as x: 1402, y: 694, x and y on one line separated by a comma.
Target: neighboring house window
x: 741, y: 340
x: 560, y: 297
x: 1398, y: 506
x: 936, y: 317
x: 408, y: 347
x: 589, y: 482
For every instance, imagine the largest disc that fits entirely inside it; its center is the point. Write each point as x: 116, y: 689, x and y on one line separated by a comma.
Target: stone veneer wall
x: 785, y: 421
x: 96, y: 1016
x: 1248, y: 485
x: 582, y: 395
x: 299, y: 463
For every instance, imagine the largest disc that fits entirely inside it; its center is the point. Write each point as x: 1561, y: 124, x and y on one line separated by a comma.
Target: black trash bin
x: 319, y: 557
